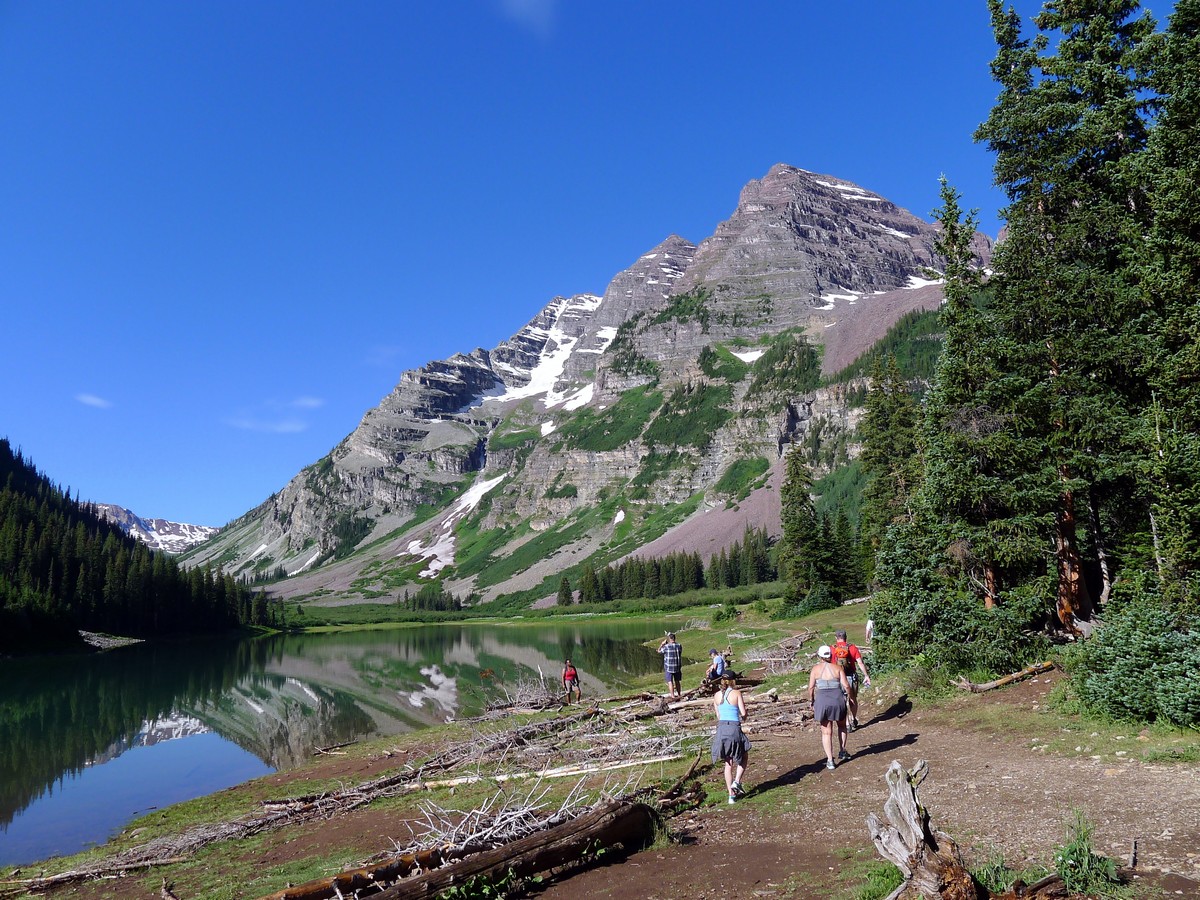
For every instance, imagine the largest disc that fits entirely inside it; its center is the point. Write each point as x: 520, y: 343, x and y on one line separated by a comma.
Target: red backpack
x: 842, y: 657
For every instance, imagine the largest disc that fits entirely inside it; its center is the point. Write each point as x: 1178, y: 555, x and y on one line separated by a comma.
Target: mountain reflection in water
x: 275, y: 698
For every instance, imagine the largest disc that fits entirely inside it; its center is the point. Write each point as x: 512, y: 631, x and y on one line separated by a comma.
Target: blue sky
x: 228, y: 227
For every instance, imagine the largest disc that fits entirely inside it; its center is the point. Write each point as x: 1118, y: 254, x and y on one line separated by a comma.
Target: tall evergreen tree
x: 890, y: 456
x: 1069, y: 119
x: 799, y: 546
x: 1172, y: 291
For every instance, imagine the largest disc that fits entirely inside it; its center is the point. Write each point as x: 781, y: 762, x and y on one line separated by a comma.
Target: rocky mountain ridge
x: 605, y: 417
x: 158, y: 534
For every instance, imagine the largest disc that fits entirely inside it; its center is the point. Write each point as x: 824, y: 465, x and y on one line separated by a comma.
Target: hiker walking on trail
x: 729, y: 744
x: 849, y: 657
x: 828, y: 690
x: 570, y: 679
x: 672, y: 654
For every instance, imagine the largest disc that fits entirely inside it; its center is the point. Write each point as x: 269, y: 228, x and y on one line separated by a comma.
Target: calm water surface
x: 88, y: 743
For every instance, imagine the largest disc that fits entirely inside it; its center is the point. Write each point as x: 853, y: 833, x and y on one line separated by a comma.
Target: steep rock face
x: 807, y: 238
x: 802, y: 251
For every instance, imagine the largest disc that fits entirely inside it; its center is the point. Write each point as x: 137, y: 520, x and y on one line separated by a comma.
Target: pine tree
x: 1171, y: 285
x: 799, y: 546
x: 1068, y: 121
x: 890, y: 456
x: 564, y: 592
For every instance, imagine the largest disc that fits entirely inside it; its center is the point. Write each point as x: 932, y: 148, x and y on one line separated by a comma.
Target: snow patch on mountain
x: 441, y: 552
x: 157, y: 534
x: 749, y: 356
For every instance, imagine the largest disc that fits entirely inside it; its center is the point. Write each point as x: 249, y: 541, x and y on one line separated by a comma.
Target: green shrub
x: 790, y: 366
x: 727, y: 613
x: 692, y: 306
x: 1141, y: 665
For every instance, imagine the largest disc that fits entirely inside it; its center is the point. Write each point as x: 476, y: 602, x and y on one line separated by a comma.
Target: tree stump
x: 930, y: 860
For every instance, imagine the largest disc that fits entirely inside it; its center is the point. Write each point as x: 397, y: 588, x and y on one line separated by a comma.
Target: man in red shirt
x: 851, y: 661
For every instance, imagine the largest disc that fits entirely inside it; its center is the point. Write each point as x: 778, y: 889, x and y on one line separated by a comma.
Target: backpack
x: 842, y: 657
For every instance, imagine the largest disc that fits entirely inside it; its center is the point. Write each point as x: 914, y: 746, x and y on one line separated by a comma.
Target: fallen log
x: 615, y: 824
x: 37, y: 885
x: 771, y: 696
x: 1035, y: 669
x: 369, y: 877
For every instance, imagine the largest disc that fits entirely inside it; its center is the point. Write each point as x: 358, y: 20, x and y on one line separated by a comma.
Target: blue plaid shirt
x: 672, y: 656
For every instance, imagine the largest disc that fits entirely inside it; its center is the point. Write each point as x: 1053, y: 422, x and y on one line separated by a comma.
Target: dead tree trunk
x: 930, y: 860
x: 629, y: 825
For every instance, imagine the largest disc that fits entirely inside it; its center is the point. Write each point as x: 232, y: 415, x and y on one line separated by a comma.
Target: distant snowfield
x: 441, y: 552
x: 549, y: 369
x: 914, y: 282
x: 749, y: 356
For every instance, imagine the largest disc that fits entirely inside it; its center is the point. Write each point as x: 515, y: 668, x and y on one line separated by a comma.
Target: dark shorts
x: 672, y: 675
x: 729, y: 744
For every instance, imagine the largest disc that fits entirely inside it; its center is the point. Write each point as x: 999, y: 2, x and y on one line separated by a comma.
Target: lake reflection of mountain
x: 278, y: 697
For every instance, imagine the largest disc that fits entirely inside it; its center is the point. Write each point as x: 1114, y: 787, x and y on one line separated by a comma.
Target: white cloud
x: 535, y: 16
x: 267, y: 426
x: 94, y: 401
x: 383, y: 356
x: 275, y: 416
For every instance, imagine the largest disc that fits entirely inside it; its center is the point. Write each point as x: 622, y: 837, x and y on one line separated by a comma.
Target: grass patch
x: 743, y: 476
x: 716, y: 361
x: 692, y: 416
x: 512, y: 440
x: 609, y: 429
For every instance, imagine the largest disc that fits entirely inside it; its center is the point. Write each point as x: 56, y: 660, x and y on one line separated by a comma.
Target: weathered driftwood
x: 616, y: 823
x: 38, y: 885
x: 1035, y: 669
x: 930, y: 860
x: 557, y: 772
x: 771, y: 696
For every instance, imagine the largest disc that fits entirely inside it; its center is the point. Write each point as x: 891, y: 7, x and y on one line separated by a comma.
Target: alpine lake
x: 90, y: 742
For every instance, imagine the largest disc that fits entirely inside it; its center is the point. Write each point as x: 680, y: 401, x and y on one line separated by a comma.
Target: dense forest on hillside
x: 1046, y: 487
x: 63, y: 568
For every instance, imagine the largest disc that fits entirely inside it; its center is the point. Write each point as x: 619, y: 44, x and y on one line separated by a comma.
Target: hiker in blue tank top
x: 729, y: 744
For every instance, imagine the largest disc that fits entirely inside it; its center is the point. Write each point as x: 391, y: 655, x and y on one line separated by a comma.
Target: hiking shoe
x: 737, y: 790
x: 843, y: 755
x: 732, y: 798
x: 829, y: 764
